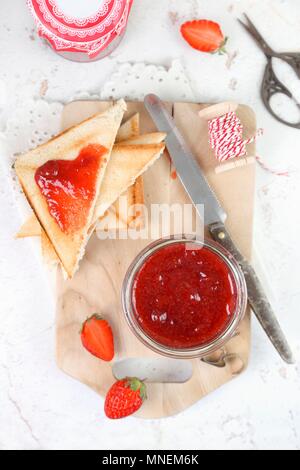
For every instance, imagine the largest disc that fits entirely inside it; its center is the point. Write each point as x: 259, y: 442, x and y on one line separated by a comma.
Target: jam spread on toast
x: 184, y: 297
x: 69, y: 186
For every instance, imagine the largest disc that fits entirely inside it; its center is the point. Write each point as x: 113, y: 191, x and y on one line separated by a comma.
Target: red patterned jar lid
x: 80, y: 26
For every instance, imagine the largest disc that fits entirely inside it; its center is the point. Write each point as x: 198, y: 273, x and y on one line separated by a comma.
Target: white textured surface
x: 40, y: 407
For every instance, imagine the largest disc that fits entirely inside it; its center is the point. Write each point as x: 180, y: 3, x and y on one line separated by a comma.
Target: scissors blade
x: 253, y: 31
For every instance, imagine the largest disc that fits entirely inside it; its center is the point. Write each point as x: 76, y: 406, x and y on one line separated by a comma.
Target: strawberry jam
x: 69, y: 186
x: 184, y: 296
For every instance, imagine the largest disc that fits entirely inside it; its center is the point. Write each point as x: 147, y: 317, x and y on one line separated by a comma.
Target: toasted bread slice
x: 116, y: 217
x: 100, y: 129
x: 49, y: 255
x: 119, y: 218
x: 30, y: 228
x: 129, y: 213
x: 129, y: 129
x: 146, y: 139
x: 129, y: 208
x: 135, y: 198
x: 137, y: 218
x: 128, y: 162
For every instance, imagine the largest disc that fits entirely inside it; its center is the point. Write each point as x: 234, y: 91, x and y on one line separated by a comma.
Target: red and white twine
x: 226, y: 139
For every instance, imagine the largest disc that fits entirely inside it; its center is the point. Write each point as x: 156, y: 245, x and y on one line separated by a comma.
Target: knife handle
x: 256, y: 295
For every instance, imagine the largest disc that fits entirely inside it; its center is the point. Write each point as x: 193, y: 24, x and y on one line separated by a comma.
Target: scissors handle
x: 272, y: 86
x: 291, y: 58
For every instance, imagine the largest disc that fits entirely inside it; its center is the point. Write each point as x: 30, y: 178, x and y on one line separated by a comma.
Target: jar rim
x: 192, y: 352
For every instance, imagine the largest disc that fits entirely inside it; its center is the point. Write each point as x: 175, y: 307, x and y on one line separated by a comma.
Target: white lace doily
x: 134, y: 81
x: 35, y: 121
x: 29, y: 126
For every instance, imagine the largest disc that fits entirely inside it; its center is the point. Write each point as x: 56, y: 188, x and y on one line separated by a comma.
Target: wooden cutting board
x: 97, y: 285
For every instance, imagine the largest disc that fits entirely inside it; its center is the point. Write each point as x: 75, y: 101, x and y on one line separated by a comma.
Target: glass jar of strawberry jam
x: 184, y: 298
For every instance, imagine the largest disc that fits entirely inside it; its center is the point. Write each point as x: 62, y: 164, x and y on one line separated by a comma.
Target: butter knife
x: 201, y: 194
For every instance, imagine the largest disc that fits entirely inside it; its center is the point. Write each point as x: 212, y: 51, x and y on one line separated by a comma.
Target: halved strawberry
x: 97, y: 338
x: 204, y: 35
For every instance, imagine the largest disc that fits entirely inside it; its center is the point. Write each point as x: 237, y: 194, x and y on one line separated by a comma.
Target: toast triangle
x: 129, y: 129
x: 116, y: 220
x: 100, y: 130
x: 32, y: 228
x: 128, y: 162
x: 146, y: 139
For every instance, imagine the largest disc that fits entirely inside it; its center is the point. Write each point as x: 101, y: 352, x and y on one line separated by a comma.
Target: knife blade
x: 187, y: 168
x: 200, y: 192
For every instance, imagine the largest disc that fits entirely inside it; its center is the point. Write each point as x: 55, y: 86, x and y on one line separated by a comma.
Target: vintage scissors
x: 271, y: 84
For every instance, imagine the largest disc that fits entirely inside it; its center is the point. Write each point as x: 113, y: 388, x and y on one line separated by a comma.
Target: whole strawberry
x: 204, y: 35
x: 97, y: 338
x: 124, y: 398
